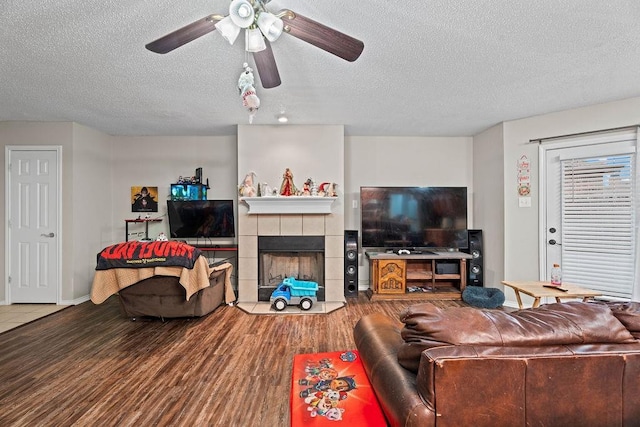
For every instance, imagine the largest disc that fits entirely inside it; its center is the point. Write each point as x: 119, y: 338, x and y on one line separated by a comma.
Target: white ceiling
x: 429, y: 68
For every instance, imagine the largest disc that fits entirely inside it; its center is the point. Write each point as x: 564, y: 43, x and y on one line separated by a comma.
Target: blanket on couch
x: 136, y: 254
x: 126, y: 263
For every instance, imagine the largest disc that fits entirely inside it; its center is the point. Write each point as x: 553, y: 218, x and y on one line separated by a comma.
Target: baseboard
x: 511, y: 304
x: 63, y: 302
x: 75, y: 301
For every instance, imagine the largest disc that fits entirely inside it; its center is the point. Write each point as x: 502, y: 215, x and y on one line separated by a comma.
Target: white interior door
x: 33, y: 225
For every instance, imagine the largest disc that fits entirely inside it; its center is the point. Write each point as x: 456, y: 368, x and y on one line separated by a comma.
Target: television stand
x: 433, y: 275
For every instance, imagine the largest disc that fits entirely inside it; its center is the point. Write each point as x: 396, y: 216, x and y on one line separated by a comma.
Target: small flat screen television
x: 414, y: 217
x: 201, y: 218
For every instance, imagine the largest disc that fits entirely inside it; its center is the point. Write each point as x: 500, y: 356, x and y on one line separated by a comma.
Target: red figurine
x: 288, y: 188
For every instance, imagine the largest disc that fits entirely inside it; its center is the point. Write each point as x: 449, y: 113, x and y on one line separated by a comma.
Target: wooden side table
x: 536, y: 290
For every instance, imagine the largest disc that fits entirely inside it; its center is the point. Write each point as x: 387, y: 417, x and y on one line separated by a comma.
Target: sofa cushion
x: 426, y: 326
x: 628, y: 313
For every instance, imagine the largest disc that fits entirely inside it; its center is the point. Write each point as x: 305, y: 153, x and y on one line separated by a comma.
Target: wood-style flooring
x: 88, y: 365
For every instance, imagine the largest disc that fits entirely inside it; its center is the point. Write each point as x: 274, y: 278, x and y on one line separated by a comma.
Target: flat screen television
x: 201, y: 218
x: 414, y: 217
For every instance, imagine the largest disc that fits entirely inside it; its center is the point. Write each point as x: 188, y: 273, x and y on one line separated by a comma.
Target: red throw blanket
x: 136, y: 254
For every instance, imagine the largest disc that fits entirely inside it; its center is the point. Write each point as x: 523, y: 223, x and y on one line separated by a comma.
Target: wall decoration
x: 144, y: 199
x: 524, y: 176
x: 247, y: 90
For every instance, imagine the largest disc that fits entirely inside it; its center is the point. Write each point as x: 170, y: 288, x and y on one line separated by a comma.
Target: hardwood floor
x: 88, y: 365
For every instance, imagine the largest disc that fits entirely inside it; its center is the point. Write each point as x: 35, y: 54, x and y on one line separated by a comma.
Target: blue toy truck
x: 294, y: 292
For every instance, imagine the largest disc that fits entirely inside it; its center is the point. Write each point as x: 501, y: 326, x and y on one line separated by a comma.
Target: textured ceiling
x: 435, y: 68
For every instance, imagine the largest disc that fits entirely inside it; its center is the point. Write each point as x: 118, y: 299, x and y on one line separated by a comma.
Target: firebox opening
x: 279, y: 257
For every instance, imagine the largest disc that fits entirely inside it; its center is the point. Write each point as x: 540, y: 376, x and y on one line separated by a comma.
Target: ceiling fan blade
x: 266, y: 67
x: 184, y: 35
x: 317, y: 34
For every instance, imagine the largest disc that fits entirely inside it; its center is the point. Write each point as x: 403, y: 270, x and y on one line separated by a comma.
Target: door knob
x: 48, y: 235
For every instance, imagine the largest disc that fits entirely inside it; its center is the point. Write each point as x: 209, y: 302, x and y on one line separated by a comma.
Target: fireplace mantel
x: 289, y: 205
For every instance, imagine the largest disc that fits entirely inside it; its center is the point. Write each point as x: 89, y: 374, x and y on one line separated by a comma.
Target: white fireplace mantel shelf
x: 289, y: 205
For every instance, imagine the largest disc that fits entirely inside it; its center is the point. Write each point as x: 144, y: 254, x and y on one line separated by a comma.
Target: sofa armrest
x: 377, y: 339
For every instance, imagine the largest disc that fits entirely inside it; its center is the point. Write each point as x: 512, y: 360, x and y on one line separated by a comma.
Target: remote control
x: 556, y: 287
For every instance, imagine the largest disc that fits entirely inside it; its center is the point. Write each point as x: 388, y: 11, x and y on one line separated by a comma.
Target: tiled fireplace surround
x: 250, y: 226
x: 310, y: 151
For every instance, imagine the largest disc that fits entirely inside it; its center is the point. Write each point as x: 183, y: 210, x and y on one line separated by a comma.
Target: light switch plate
x: 524, y: 202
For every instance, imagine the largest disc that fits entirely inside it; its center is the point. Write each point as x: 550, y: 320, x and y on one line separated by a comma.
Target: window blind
x: 598, y: 223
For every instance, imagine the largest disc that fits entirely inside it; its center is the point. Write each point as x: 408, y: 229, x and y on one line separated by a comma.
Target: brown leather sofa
x: 571, y: 364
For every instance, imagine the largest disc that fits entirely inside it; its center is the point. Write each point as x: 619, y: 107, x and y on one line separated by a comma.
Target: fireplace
x: 279, y: 257
x: 309, y: 151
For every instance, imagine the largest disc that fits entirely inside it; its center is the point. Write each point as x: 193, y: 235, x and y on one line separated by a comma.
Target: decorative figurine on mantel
x: 246, y: 188
x: 327, y: 189
x: 306, y: 187
x: 288, y: 188
x: 264, y: 190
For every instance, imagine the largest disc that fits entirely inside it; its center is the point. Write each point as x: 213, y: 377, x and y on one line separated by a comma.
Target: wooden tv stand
x: 437, y: 275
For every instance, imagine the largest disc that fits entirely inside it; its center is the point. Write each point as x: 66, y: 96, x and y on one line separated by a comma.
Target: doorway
x: 33, y: 244
x: 590, y: 210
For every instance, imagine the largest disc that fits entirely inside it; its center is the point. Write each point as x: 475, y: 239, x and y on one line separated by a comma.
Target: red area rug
x: 330, y: 389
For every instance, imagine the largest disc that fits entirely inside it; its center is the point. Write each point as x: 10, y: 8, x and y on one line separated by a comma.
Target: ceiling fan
x: 261, y: 28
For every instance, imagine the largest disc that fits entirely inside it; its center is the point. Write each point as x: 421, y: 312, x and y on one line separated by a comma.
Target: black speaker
x: 475, y: 266
x: 351, y: 263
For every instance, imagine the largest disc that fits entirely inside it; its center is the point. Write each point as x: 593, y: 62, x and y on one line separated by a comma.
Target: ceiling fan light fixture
x: 270, y: 25
x: 254, y: 42
x: 228, y: 29
x: 241, y: 13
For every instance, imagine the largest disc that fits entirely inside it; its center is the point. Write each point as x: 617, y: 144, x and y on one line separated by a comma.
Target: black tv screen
x: 414, y: 217
x: 201, y: 218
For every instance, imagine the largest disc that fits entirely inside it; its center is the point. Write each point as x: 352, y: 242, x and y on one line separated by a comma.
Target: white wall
x: 158, y: 162
x: 488, y: 206
x: 403, y: 161
x: 91, y: 201
x: 309, y: 151
x: 521, y: 244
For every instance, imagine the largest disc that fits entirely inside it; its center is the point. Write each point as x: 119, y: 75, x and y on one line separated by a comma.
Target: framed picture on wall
x: 144, y: 199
